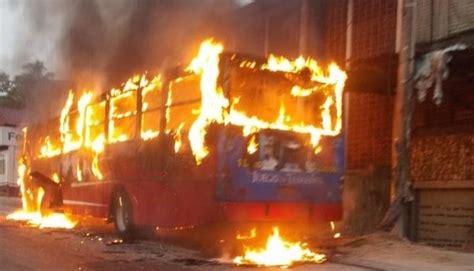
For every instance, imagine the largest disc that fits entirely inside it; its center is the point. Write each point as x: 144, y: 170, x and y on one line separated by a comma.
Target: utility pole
x: 266, y: 43
x: 304, y: 18
x: 350, y: 16
x: 303, y: 46
x: 347, y: 95
x: 400, y: 208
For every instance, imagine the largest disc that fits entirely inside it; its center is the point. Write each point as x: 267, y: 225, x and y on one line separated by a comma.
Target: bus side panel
x: 88, y: 198
x: 183, y: 196
x: 171, y: 204
x: 282, y: 212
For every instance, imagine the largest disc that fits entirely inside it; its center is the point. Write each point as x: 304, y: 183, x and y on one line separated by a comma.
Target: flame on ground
x: 31, y: 213
x: 54, y: 220
x: 31, y: 209
x: 279, y: 252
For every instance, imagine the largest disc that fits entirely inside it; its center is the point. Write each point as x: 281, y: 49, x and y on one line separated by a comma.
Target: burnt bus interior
x: 142, y: 126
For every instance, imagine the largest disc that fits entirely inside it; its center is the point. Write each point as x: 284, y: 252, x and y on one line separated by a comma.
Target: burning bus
x: 227, y: 138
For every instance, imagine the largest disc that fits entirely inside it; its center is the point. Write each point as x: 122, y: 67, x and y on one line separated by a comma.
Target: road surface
x: 91, y: 247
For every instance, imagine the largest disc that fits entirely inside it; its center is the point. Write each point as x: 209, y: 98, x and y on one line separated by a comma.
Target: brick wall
x: 455, y: 110
x: 369, y: 130
x: 336, y: 21
x: 374, y: 28
x: 370, y: 115
x: 442, y: 146
x: 373, y: 32
x: 442, y: 157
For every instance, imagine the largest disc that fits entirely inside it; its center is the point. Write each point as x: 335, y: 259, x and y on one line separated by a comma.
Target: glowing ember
x: 78, y: 173
x: 253, y: 234
x: 333, y: 227
x: 252, y: 145
x: 55, y: 178
x: 279, y: 252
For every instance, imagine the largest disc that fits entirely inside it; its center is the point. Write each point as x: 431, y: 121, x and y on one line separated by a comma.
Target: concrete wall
x: 365, y: 199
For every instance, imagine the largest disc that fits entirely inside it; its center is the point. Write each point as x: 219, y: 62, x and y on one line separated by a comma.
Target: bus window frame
x: 141, y: 112
x: 134, y: 116
x: 103, y: 122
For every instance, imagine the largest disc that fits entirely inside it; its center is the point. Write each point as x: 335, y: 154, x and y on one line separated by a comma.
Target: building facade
x: 10, y: 142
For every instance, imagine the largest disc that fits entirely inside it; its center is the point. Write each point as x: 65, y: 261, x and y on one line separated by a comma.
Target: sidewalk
x: 384, y: 251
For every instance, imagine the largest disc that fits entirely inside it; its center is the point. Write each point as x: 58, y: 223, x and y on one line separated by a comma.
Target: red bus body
x: 171, y: 204
x: 180, y: 195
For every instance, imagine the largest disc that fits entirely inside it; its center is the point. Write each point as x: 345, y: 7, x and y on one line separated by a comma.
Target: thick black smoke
x: 108, y: 41
x: 98, y: 44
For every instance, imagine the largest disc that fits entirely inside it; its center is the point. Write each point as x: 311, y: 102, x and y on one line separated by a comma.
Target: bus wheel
x: 123, y: 216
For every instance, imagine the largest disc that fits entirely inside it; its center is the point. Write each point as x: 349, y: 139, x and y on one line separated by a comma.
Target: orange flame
x: 31, y: 211
x: 48, y: 149
x: 206, y: 64
x: 214, y: 105
x: 177, y: 138
x: 279, y: 252
x: 64, y: 117
x: 251, y: 235
x: 98, y: 147
x: 150, y: 93
x: 252, y: 145
x: 78, y: 173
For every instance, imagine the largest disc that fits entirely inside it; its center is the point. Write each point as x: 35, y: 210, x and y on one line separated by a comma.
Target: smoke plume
x: 99, y: 43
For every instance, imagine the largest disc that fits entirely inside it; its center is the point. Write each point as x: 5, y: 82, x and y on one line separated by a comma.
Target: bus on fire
x: 228, y: 138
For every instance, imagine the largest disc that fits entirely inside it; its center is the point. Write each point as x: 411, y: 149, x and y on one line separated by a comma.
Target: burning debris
x: 277, y: 252
x: 36, y: 218
x: 32, y: 201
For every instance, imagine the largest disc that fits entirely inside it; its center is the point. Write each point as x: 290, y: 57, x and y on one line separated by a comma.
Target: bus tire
x: 123, y: 216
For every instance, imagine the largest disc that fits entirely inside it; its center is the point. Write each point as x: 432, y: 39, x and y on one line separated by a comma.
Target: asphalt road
x: 91, y: 247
